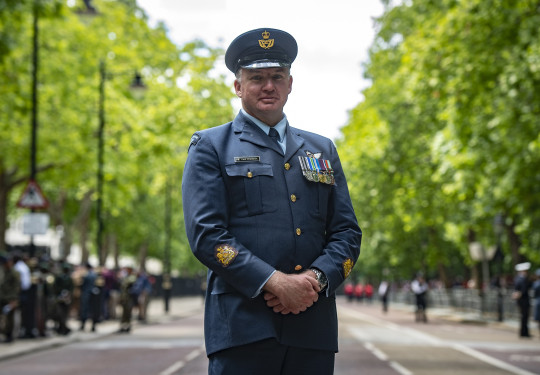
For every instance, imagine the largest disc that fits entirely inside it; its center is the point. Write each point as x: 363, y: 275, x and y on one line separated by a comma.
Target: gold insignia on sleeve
x: 347, y: 267
x: 225, y: 254
x: 266, y: 42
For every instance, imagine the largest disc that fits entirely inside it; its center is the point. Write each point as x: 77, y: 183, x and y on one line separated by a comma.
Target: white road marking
x: 422, y: 337
x: 492, y: 361
x: 175, y: 367
x: 384, y: 358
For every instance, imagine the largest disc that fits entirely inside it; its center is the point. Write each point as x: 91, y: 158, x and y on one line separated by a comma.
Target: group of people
x: 365, y: 292
x: 359, y: 291
x: 46, y: 293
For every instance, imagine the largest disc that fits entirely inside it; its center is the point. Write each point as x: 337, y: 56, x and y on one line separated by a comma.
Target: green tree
x: 448, y: 134
x: 145, y: 139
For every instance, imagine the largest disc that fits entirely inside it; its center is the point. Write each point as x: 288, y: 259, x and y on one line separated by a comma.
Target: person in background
x: 368, y: 291
x: 536, y: 296
x: 359, y: 291
x: 110, y: 291
x: 87, y: 290
x: 383, y: 291
x: 128, y: 298
x: 63, y: 291
x: 26, y: 298
x: 9, y: 295
x: 420, y: 288
x: 44, y: 281
x: 522, y: 285
x: 349, y: 291
x: 267, y: 210
x: 143, y: 289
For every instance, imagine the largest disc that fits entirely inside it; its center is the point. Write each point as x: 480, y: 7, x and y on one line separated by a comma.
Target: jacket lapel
x: 249, y: 132
x: 294, y: 142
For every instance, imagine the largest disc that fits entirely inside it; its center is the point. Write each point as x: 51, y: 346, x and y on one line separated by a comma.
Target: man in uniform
x: 267, y: 210
x: 522, y: 285
x: 9, y: 295
x: 63, y: 291
x: 128, y: 299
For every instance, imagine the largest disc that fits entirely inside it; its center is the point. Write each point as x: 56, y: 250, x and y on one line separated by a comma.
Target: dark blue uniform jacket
x: 249, y: 211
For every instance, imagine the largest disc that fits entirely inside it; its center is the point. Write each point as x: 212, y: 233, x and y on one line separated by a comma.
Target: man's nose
x: 268, y: 84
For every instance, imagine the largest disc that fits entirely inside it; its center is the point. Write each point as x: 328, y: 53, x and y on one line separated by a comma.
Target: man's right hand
x: 291, y: 293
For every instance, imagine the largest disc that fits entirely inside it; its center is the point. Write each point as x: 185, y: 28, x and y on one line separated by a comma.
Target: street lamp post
x: 35, y: 66
x: 138, y: 85
x: 34, y: 121
x: 101, y: 129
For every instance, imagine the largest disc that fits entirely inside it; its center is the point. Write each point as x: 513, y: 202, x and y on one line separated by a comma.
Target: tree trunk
x: 3, y: 213
x: 114, y: 250
x: 82, y: 223
x: 7, y: 183
x: 443, y: 276
x: 143, y: 254
x: 515, y: 244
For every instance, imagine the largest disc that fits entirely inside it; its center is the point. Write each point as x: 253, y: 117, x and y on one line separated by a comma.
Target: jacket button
x: 249, y: 174
x: 293, y: 197
x: 298, y: 231
x: 298, y: 268
x: 287, y: 166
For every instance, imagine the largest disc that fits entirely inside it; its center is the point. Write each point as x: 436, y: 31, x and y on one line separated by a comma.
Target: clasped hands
x: 291, y: 293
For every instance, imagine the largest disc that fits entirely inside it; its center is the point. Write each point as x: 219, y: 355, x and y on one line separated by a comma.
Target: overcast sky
x: 333, y: 38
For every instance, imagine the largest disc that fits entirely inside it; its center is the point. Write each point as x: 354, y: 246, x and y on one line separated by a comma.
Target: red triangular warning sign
x: 32, y: 197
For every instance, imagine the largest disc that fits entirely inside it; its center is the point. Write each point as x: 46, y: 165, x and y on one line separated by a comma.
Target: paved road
x: 371, y: 343
x: 393, y: 343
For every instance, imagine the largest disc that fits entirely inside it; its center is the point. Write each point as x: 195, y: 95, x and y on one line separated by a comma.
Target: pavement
x: 180, y: 307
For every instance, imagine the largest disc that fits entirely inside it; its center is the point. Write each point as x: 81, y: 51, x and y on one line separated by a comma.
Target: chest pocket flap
x: 252, y: 186
x: 249, y: 170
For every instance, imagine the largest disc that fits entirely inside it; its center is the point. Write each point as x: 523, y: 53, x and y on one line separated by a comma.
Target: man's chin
x: 268, y: 107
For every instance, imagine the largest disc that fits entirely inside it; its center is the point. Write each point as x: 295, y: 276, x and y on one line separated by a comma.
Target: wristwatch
x: 321, y: 278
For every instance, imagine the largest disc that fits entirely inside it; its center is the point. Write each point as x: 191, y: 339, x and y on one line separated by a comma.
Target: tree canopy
x: 145, y: 139
x: 446, y: 140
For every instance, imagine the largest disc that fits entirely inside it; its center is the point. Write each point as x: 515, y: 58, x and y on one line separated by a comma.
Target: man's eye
x: 255, y: 78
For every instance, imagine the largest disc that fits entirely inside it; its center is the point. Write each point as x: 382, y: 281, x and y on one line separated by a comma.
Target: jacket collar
x: 250, y: 132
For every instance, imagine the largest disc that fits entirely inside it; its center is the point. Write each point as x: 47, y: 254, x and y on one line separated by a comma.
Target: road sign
x: 35, y: 223
x: 32, y: 197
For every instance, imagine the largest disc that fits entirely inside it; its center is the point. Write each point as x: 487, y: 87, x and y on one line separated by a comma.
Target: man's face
x: 264, y: 92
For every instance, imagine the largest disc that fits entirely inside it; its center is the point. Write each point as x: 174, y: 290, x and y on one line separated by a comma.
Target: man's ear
x: 238, y: 88
x: 290, y: 84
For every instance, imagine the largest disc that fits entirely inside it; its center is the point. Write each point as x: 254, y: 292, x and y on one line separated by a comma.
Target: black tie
x: 273, y: 133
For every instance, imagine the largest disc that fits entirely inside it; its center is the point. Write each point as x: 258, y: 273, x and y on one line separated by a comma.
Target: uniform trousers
x: 269, y: 357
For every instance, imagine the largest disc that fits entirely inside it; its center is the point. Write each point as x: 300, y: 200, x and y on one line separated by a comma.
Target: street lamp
x: 34, y: 120
x: 136, y: 86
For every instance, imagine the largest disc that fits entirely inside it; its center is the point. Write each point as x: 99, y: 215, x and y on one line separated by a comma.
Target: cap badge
x: 266, y: 42
x: 225, y: 254
x: 347, y: 267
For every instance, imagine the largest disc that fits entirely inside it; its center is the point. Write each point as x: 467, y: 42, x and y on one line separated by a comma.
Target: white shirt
x: 24, y: 272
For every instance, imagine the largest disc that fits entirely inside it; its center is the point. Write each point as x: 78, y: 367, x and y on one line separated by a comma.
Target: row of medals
x: 326, y: 177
